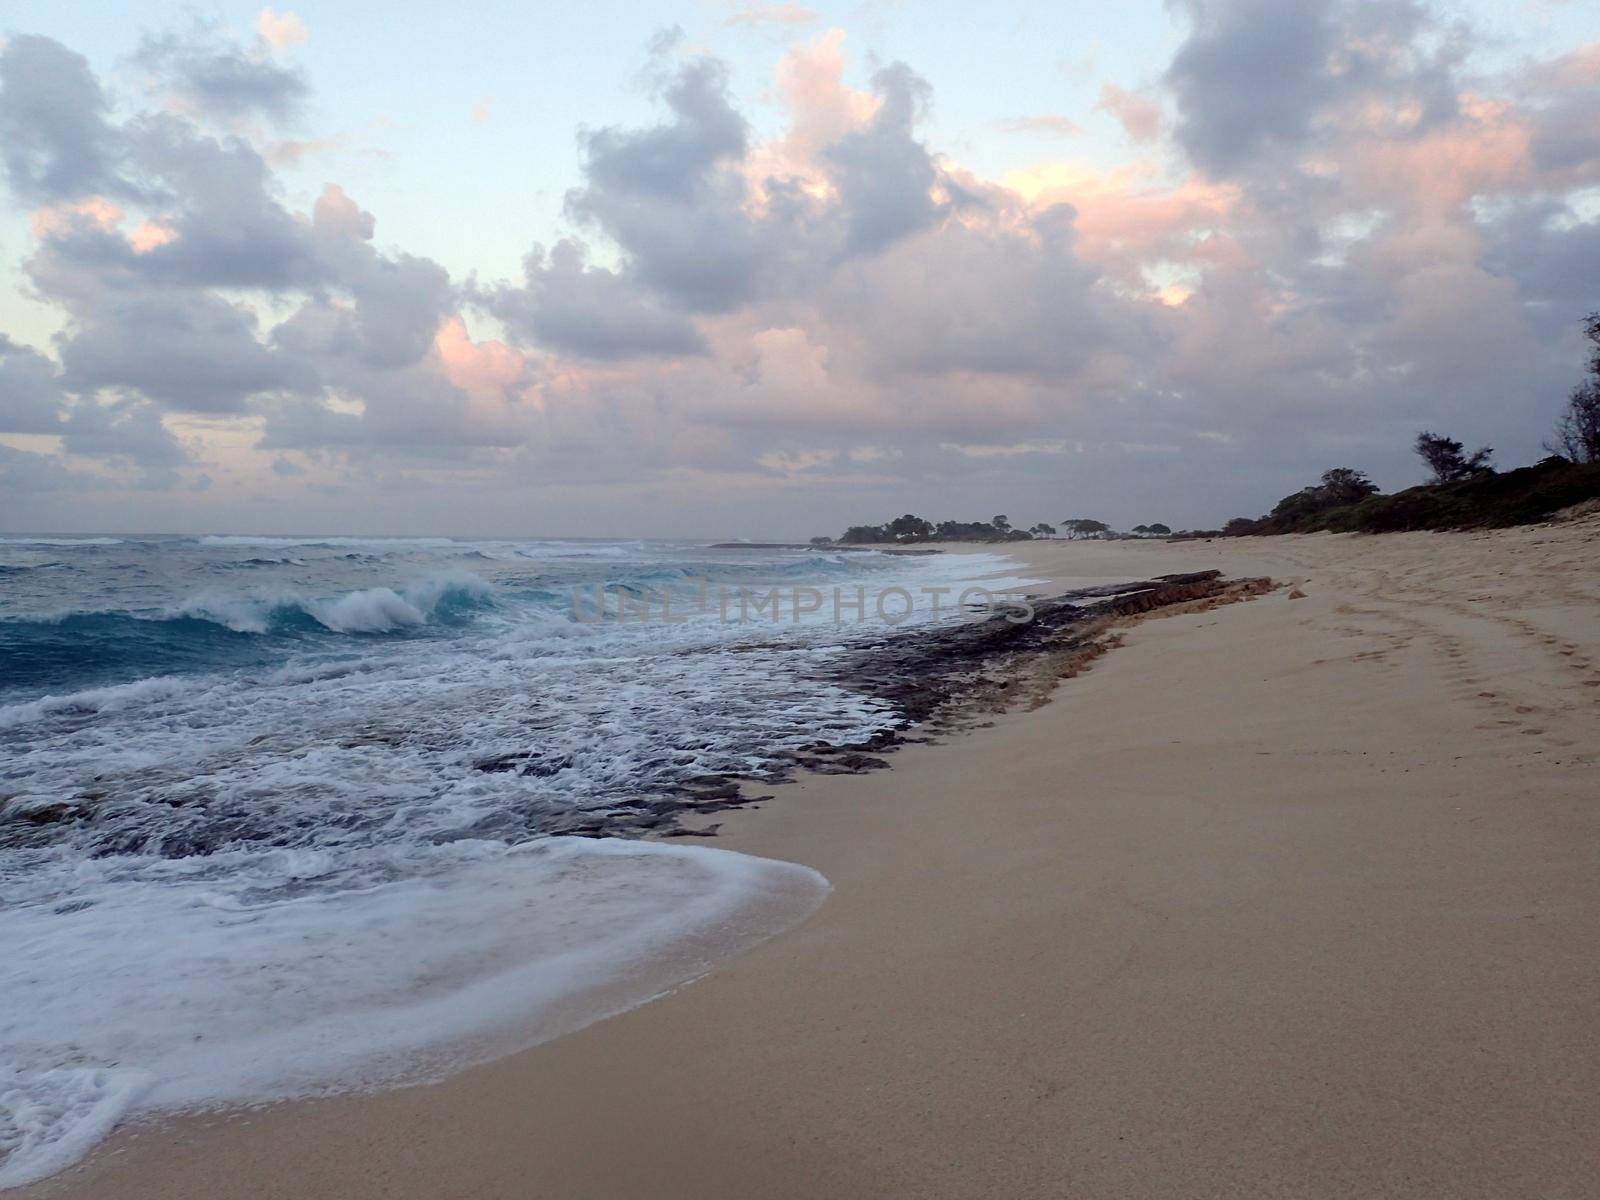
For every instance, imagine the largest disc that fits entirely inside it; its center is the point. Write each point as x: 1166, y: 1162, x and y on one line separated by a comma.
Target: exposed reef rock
x: 943, y: 679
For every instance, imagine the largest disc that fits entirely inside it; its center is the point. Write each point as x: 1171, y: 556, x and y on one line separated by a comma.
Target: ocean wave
x: 483, y: 948
x: 394, y: 543
x: 95, y: 701
x: 369, y: 610
x: 296, y: 831
x: 220, y: 633
x: 48, y: 541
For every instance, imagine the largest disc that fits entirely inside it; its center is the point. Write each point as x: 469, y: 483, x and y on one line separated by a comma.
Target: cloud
x: 754, y: 14
x: 1251, y: 75
x: 1343, y: 233
x: 1052, y: 124
x: 1256, y: 78
x: 1139, y: 116
x: 593, y: 312
x: 280, y: 31
x: 671, y: 196
x: 55, y: 140
x: 26, y: 476
x: 125, y: 429
x: 214, y: 78
x: 190, y: 351
x: 31, y: 398
x: 883, y: 174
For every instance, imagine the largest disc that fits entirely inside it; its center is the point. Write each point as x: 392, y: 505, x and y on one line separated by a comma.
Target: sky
x: 767, y: 269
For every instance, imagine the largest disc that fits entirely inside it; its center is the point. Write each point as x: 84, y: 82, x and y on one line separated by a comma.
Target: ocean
x: 286, y: 815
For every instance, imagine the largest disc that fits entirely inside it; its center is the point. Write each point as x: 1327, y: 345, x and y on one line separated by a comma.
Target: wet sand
x: 1297, y: 897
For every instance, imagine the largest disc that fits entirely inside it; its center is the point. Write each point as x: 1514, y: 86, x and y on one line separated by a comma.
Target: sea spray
x: 270, y: 827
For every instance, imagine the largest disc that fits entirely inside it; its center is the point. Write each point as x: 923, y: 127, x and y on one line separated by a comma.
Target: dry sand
x: 1292, y: 898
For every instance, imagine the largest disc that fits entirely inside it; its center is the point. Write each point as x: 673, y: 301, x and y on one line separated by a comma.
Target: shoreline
x: 1292, y: 897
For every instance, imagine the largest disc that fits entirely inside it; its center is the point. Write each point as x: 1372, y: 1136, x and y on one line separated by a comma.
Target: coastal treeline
x: 911, y: 528
x: 1463, y: 489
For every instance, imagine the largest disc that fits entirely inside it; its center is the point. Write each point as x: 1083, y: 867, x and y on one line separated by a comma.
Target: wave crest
x: 369, y: 610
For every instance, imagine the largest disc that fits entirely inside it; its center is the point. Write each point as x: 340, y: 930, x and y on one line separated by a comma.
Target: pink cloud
x: 811, y: 80
x: 487, y: 369
x: 281, y: 31
x: 337, y: 214
x: 754, y: 14
x: 57, y: 220
x: 1486, y: 150
x: 1139, y: 116
x: 151, y: 235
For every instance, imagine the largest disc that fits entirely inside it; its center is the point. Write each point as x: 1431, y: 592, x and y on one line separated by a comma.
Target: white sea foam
x: 97, y: 701
x: 296, y: 875
x: 158, y: 997
x: 50, y: 1119
x: 368, y: 610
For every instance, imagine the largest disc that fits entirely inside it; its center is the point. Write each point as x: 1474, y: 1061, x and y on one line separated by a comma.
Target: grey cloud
x: 188, y: 350
x: 399, y: 303
x: 567, y: 306
x: 217, y: 77
x: 884, y: 175
x: 397, y: 306
x: 232, y: 232
x: 1567, y: 133
x: 228, y: 229
x: 1554, y: 258
x: 410, y: 410
x: 673, y: 200
x: 1254, y: 77
x: 54, y: 137
x: 129, y: 429
x: 677, y: 158
x: 913, y: 316
x: 24, y: 475
x: 669, y: 197
x: 30, y: 390
x: 1251, y: 74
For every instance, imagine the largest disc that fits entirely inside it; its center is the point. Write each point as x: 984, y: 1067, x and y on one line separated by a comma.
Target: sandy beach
x: 1295, y: 897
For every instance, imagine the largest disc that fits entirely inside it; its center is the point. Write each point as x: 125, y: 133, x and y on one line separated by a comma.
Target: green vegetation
x: 1577, y: 434
x: 911, y: 529
x: 1464, y: 491
x: 1078, y: 527
x: 1483, y: 501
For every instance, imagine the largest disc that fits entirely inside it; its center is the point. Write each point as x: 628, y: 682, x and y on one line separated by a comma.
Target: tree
x: 1141, y: 530
x: 1001, y: 523
x: 1084, y: 527
x: 1160, y: 530
x: 1446, y: 460
x: 1043, y: 530
x: 1342, y: 486
x: 865, y: 534
x: 1577, y: 435
x: 910, y: 528
x: 1338, y: 488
